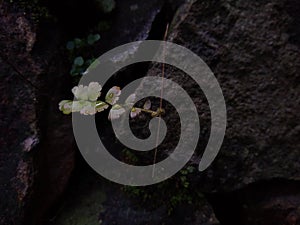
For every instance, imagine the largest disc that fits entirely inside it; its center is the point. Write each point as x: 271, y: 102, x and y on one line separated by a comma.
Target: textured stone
x: 253, y: 49
x: 250, y: 49
x: 36, y: 154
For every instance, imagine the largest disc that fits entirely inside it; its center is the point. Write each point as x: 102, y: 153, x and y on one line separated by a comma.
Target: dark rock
x: 37, y: 153
x: 251, y: 47
x: 119, y: 209
x: 133, y: 21
x: 37, y: 146
x: 248, y: 48
x: 275, y: 208
x: 274, y: 202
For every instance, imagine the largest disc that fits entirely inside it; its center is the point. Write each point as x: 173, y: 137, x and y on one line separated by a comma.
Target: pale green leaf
x: 112, y: 95
x: 115, y: 112
x: 79, y: 61
x: 94, y: 89
x: 89, y: 109
x: 70, y: 45
x: 79, y: 105
x: 101, y: 106
x: 135, y: 112
x: 80, y: 92
x: 147, y: 104
x: 65, y: 106
x: 129, y: 102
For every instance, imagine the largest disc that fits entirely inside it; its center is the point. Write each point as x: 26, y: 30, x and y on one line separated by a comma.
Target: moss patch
x: 84, y: 211
x: 83, y: 203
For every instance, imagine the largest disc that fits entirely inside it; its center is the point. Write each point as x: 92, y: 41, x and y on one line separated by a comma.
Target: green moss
x: 34, y: 8
x: 83, y: 209
x: 106, y: 6
x: 78, y: 46
x: 177, y: 191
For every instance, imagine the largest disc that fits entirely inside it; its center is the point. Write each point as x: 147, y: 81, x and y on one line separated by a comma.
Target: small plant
x: 87, y: 102
x: 177, y: 191
x: 35, y: 8
x: 105, y: 6
x: 79, y: 43
x: 128, y: 156
x: 80, y: 65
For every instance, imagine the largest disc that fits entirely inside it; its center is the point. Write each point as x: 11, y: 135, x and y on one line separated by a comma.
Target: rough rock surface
x: 121, y: 210
x: 253, y: 49
x: 251, y: 46
x: 267, y: 202
x: 37, y: 146
x: 36, y: 154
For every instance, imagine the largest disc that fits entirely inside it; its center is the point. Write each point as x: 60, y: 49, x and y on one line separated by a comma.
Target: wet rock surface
x: 19, y: 132
x: 267, y: 202
x: 37, y: 145
x: 37, y: 154
x: 253, y: 50
x: 251, y: 47
x: 125, y: 212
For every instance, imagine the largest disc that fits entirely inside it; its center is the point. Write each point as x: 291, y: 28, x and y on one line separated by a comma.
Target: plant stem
x: 156, y: 113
